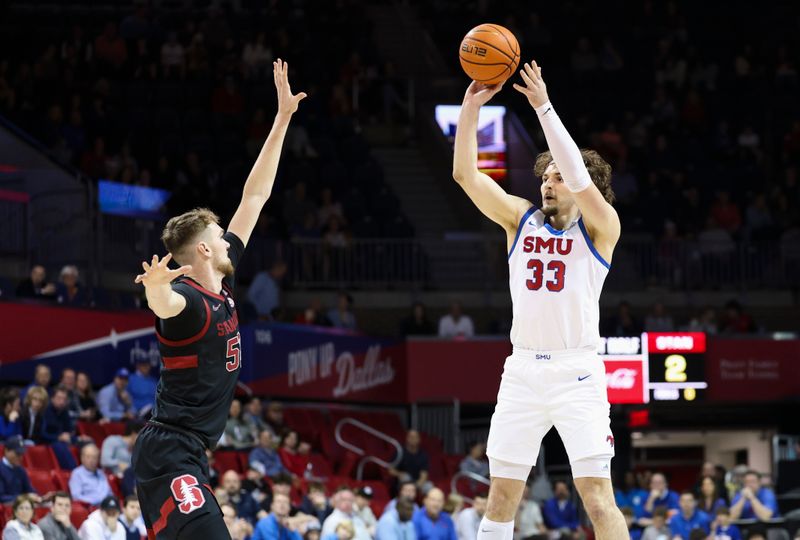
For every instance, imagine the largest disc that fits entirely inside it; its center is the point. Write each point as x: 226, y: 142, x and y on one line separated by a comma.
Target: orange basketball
x: 489, y: 54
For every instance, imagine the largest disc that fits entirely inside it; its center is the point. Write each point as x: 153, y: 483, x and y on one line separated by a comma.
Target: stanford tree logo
x: 187, y: 492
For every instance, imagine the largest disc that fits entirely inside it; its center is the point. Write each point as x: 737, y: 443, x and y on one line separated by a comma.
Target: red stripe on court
x: 166, y: 510
x: 180, y: 362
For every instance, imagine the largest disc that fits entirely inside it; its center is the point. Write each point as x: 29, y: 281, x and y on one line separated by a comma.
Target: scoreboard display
x: 658, y: 366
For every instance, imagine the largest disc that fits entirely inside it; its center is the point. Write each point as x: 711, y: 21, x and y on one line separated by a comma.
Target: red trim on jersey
x: 166, y: 509
x: 180, y: 362
x: 193, y: 283
x: 188, y: 341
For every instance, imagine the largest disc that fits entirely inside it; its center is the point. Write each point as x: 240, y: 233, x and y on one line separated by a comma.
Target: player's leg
x: 598, y: 499
x: 515, y: 436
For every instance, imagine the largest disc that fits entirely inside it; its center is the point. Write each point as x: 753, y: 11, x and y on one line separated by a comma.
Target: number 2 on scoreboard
x: 675, y: 368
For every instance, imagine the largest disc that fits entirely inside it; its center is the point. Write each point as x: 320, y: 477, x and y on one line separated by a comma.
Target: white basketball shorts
x: 565, y: 389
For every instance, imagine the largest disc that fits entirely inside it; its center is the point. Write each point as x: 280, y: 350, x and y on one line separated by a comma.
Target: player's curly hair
x: 599, y: 170
x: 182, y: 229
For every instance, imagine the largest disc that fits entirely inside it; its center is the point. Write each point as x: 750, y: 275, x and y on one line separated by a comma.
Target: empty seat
x: 40, y: 457
x: 61, y: 479
x: 93, y: 430
x: 42, y: 481
x: 78, y: 515
x: 226, y: 460
x: 114, y: 428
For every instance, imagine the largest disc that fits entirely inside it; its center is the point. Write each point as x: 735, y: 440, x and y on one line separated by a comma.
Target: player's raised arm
x: 597, y: 213
x: 490, y: 198
x: 161, y: 299
x: 259, y: 183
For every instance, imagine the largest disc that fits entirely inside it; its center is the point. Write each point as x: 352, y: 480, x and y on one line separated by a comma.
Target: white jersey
x: 556, y: 277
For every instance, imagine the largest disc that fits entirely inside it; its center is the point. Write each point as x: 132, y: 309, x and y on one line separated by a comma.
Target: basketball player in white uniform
x: 559, y: 256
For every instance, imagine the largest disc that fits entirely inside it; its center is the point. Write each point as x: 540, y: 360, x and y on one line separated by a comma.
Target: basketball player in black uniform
x: 198, y: 333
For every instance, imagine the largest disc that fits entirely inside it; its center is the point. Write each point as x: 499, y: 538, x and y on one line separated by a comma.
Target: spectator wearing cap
x: 430, y: 522
x: 469, y: 519
x: 9, y: 413
x: 315, y: 502
x: 363, y: 509
x: 754, y: 501
x: 113, y: 400
x: 342, y: 315
x: 117, y: 449
x: 22, y: 527
x: 14, y: 480
x: 103, y: 523
x: 265, y: 458
x: 142, y: 387
x: 396, y: 524
x: 343, y: 504
x: 57, y: 525
x: 689, y: 518
x: 88, y: 483
x: 131, y: 519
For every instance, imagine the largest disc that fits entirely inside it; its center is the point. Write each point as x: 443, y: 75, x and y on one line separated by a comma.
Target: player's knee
x: 598, y: 508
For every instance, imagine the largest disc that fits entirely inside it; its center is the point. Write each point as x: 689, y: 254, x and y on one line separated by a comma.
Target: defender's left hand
x: 535, y: 89
x: 287, y: 102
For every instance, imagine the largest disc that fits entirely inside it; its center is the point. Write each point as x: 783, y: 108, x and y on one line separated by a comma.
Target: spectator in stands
x: 414, y: 463
x: 660, y: 495
x: 254, y: 415
x: 754, y: 501
x: 142, y: 387
x: 689, y: 518
x: 529, y: 522
x: 22, y: 527
x: 455, y: 323
x: 706, y: 322
x: 468, y: 520
x: 113, y: 400
x: 363, y: 510
x: 14, y: 479
x: 722, y: 528
x: 453, y: 504
x: 396, y: 523
x: 631, y: 495
x: 430, y: 522
x: 86, y: 399
x: 274, y: 526
x: 560, y: 513
x: 343, y: 502
x: 342, y: 315
x: 293, y: 460
x: 103, y: 523
x: 88, y: 483
x: 623, y: 323
x: 315, y: 502
x: 709, y: 497
x: 634, y: 530
x: 36, y: 399
x: 238, y: 528
x: 265, y: 290
x: 344, y: 531
x: 659, y: 320
x: 9, y: 419
x: 246, y: 506
x: 475, y: 462
x: 736, y: 321
x: 57, y: 525
x: 131, y: 519
x: 69, y: 291
x: 406, y: 490
x: 68, y: 380
x: 42, y: 376
x: 255, y: 483
x: 238, y: 434
x: 274, y: 418
x: 37, y: 286
x: 117, y: 449
x: 658, y: 528
x: 283, y: 484
x: 265, y: 458
x: 417, y: 322
x: 58, y: 424
x: 313, y: 314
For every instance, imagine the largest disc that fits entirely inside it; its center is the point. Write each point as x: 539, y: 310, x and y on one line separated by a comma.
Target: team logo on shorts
x: 187, y: 492
x: 610, y: 440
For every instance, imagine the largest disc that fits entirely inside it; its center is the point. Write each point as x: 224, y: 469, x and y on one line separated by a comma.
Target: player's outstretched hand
x: 157, y: 272
x: 479, y: 94
x: 287, y: 102
x: 535, y: 89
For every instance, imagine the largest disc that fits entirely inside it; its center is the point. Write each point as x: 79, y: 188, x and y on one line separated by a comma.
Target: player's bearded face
x: 225, y: 265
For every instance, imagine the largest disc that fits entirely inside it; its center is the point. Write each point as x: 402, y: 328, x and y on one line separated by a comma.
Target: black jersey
x: 201, y: 356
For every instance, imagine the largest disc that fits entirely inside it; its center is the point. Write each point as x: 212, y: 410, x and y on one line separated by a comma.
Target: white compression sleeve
x: 493, y: 530
x: 564, y: 150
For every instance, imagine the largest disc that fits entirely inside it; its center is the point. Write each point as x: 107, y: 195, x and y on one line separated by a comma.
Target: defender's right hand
x: 157, y: 272
x: 479, y: 94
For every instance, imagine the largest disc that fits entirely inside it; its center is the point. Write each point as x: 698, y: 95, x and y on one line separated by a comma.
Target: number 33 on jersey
x: 555, y: 277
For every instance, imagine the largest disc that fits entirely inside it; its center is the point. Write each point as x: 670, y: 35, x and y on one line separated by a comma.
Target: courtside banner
x: 753, y: 370
x: 286, y: 360
x: 98, y: 342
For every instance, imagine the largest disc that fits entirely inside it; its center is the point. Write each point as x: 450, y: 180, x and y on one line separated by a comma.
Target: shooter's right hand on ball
x: 158, y: 273
x: 479, y: 94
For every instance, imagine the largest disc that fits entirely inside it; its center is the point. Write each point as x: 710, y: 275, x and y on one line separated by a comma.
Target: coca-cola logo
x: 621, y: 378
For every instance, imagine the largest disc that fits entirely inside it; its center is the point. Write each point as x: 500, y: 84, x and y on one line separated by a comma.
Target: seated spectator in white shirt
x: 88, y: 483
x: 131, y: 518
x: 117, y: 449
x: 529, y: 523
x: 469, y: 519
x: 103, y: 523
x: 455, y: 323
